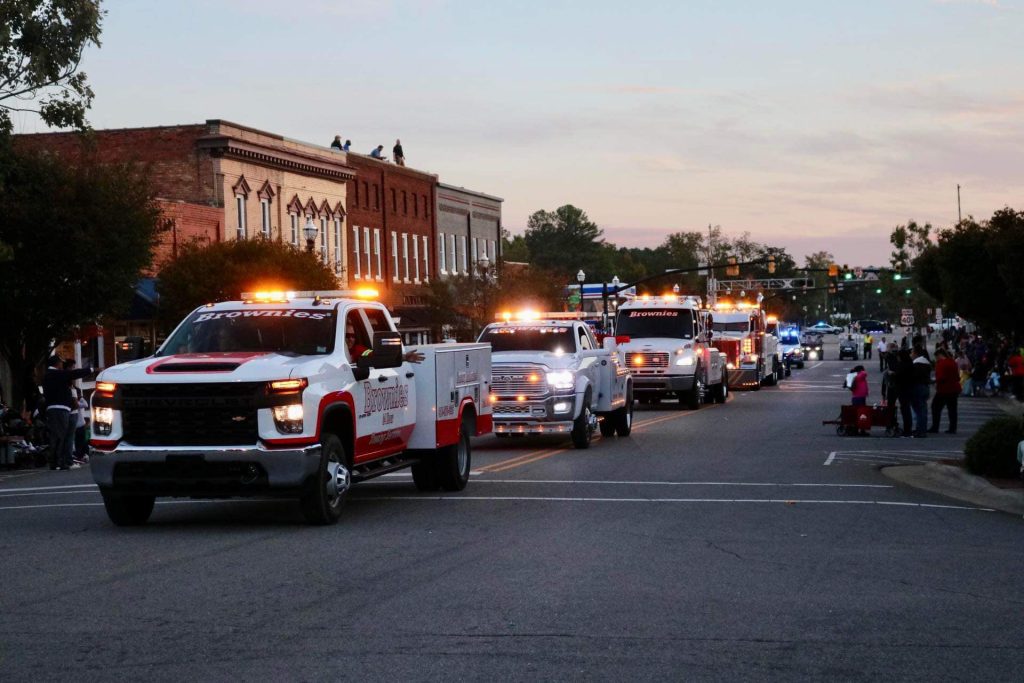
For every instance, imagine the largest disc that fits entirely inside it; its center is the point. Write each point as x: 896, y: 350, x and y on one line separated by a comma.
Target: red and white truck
x: 753, y: 354
x: 285, y: 394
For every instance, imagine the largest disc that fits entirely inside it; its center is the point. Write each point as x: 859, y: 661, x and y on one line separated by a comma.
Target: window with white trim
x: 394, y: 256
x: 490, y: 250
x: 442, y: 261
x: 376, y: 253
x: 465, y: 256
x: 475, y: 256
x: 416, y: 256
x: 323, y: 239
x: 405, y: 255
x: 366, y: 253
x: 240, y: 208
x: 295, y: 227
x: 355, y: 251
x: 426, y: 258
x: 265, y: 217
x: 455, y: 255
x: 337, y: 246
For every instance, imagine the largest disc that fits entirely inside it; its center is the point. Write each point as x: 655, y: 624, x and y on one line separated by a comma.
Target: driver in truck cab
x: 356, y: 346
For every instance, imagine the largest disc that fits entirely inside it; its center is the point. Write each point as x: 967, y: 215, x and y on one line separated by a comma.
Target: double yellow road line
x: 534, y: 456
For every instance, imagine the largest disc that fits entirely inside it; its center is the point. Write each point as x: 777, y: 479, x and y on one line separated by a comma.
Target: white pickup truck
x: 550, y: 376
x: 295, y: 395
x: 670, y: 351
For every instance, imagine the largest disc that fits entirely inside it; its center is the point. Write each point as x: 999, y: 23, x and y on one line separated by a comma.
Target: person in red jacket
x: 1015, y: 364
x: 947, y: 389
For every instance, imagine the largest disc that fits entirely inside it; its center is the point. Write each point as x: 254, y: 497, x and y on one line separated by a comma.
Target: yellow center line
x: 536, y: 456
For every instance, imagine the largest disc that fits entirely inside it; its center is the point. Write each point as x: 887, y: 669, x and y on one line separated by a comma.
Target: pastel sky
x: 813, y: 125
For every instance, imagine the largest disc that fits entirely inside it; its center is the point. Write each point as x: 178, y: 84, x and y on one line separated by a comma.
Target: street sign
x: 907, y: 317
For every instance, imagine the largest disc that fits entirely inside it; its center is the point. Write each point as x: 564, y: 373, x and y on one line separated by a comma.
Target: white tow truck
x: 670, y: 350
x: 550, y: 376
x: 285, y: 394
x: 753, y: 355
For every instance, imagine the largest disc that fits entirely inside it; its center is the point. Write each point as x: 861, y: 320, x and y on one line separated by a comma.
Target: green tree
x: 221, y: 271
x: 41, y: 46
x: 80, y: 235
x: 513, y: 248
x: 565, y: 241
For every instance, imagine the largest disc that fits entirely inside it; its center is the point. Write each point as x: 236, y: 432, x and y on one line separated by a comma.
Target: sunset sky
x: 812, y: 125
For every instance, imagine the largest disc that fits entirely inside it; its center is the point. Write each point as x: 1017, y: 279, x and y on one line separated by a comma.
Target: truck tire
x: 424, y: 475
x: 607, y: 424
x: 720, y: 392
x: 623, y: 417
x: 324, y: 494
x: 452, y: 463
x: 695, y: 396
x: 128, y: 510
x: 581, y: 432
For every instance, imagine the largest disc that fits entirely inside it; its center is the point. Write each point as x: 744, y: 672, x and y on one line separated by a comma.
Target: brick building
x: 217, y: 181
x: 468, y: 229
x: 391, y: 230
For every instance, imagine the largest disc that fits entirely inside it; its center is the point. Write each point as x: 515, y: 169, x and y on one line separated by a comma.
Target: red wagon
x: 855, y: 420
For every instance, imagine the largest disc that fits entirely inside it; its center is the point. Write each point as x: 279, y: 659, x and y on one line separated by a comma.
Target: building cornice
x: 225, y: 146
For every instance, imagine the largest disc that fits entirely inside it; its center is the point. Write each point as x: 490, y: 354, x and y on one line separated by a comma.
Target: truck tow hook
x: 340, y: 479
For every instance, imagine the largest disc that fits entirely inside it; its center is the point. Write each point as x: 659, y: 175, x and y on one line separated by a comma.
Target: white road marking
x: 679, y: 483
x: 785, y: 501
x: 49, y: 488
x: 158, y: 502
x: 831, y: 457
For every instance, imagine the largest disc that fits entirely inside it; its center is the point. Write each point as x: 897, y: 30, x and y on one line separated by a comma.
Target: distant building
x: 468, y: 229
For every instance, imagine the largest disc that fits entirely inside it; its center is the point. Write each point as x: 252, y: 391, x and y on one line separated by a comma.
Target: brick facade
x: 393, y: 206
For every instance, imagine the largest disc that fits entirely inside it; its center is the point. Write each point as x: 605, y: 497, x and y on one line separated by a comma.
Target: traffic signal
x: 847, y: 275
x: 833, y: 270
x: 832, y: 288
x: 732, y: 270
x: 771, y: 264
x: 907, y: 291
x: 878, y: 291
x: 897, y: 276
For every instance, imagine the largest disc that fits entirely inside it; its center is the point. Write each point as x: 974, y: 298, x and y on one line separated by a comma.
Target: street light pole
x: 581, y: 277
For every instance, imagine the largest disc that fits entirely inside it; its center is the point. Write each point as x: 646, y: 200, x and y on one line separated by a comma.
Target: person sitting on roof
x: 377, y: 153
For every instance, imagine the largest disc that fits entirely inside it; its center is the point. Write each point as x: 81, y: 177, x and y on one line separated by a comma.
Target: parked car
x: 825, y: 328
x: 873, y: 327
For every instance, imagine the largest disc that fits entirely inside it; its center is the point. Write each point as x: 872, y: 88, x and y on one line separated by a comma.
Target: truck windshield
x: 529, y: 338
x: 647, y: 322
x: 728, y: 326
x: 287, y: 331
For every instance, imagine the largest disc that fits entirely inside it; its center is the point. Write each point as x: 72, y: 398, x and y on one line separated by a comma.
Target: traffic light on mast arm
x: 771, y: 264
x: 833, y: 270
x: 732, y: 269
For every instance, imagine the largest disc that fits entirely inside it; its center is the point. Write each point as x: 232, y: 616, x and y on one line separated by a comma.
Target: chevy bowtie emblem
x: 238, y: 418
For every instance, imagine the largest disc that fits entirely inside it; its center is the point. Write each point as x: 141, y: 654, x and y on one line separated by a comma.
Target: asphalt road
x: 744, y: 541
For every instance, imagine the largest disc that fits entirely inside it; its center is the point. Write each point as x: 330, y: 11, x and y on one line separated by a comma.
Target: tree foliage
x: 565, y: 241
x: 204, y: 273
x: 974, y: 269
x: 41, y: 46
x: 80, y: 235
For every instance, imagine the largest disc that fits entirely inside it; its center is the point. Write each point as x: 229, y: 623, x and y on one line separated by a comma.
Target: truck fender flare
x: 468, y: 406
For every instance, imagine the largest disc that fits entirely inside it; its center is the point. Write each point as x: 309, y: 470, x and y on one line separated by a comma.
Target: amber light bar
x: 288, y: 386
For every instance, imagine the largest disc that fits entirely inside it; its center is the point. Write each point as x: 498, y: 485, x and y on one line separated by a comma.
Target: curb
x: 955, y: 482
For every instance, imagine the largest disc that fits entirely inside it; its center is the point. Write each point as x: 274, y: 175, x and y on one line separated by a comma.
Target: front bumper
x: 535, y: 417
x: 740, y: 378
x: 659, y: 384
x: 204, y: 471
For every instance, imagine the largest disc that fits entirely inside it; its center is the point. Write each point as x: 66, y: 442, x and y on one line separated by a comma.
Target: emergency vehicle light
x: 277, y: 297
x: 106, y: 387
x: 773, y: 318
x: 288, y: 386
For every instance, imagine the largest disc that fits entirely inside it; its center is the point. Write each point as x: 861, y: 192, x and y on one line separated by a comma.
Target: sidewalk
x: 956, y: 482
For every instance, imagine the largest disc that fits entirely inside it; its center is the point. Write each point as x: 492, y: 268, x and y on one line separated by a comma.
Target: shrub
x: 992, y: 451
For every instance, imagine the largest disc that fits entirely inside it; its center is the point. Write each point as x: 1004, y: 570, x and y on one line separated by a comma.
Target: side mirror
x: 387, y: 350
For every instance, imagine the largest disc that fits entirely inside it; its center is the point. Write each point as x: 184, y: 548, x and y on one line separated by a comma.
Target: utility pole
x: 712, y: 285
x: 959, y: 216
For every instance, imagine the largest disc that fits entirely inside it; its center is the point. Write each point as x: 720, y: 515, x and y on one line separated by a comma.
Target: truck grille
x: 190, y: 414
x: 511, y: 409
x: 519, y: 380
x: 647, y: 360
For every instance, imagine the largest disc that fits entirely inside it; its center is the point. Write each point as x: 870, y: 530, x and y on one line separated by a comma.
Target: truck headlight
x: 684, y: 360
x: 562, y: 407
x: 102, y: 420
x: 288, y: 419
x: 562, y: 379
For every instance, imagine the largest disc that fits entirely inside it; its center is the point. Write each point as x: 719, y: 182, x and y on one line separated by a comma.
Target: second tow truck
x: 549, y: 376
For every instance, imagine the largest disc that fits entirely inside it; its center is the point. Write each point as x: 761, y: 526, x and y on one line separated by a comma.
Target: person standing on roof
x: 345, y: 147
x: 399, y: 155
x: 376, y: 153
x: 337, y: 143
